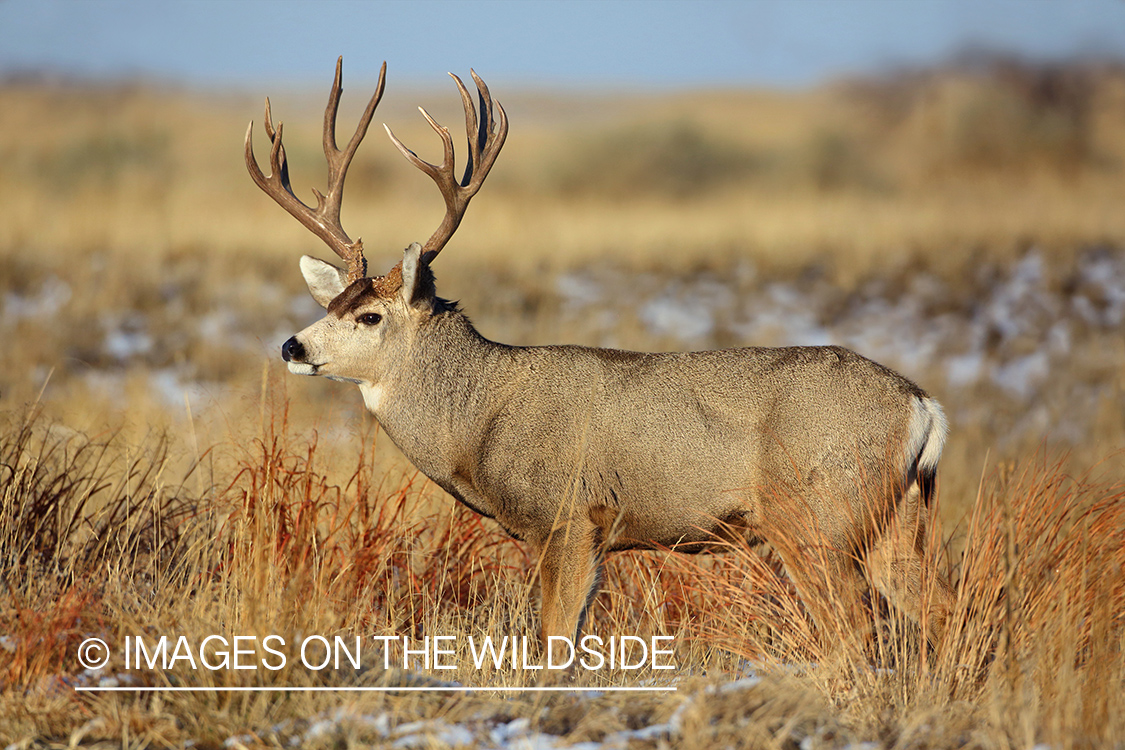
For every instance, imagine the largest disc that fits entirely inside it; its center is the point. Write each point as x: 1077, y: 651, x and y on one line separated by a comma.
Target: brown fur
x: 362, y: 291
x: 815, y: 450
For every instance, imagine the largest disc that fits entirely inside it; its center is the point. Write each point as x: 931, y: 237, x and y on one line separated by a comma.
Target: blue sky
x: 644, y: 43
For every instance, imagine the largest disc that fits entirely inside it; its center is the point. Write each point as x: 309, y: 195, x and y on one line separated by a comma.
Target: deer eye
x: 369, y: 319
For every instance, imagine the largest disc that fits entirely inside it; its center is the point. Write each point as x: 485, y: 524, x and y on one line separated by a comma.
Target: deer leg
x: 831, y: 587
x: 899, y: 568
x: 568, y: 576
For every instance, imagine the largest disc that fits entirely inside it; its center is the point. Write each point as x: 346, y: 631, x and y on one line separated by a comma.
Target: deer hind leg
x: 570, y: 568
x: 898, y: 566
x: 831, y: 587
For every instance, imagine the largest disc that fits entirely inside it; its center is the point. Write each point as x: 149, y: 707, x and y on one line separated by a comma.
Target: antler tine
x: 338, y: 161
x: 485, y: 139
x: 475, y: 135
x: 324, y: 220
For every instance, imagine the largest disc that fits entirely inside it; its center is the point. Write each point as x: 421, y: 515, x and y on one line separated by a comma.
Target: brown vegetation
x: 156, y: 476
x: 285, y: 546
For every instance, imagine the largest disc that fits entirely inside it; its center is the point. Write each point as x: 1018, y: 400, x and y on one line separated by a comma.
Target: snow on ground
x: 1013, y: 331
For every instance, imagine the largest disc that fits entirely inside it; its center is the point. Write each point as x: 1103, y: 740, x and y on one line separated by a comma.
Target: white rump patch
x: 928, y: 429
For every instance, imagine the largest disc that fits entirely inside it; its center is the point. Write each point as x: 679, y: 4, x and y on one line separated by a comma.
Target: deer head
x: 368, y: 315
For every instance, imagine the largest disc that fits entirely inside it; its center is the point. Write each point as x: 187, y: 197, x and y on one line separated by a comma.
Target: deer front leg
x: 569, y: 569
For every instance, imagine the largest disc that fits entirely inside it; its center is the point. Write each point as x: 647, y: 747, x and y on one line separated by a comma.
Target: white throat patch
x: 373, y: 395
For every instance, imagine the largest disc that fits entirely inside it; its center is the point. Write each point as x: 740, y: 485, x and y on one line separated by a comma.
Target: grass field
x: 163, y: 475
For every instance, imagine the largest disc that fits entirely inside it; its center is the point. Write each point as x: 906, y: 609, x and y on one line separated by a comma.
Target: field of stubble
x: 163, y: 475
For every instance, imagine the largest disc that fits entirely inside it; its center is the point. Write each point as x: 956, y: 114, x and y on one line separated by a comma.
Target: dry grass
x: 282, y: 545
x: 164, y: 481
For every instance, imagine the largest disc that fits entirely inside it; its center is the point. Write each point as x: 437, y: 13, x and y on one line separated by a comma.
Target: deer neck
x: 433, y: 402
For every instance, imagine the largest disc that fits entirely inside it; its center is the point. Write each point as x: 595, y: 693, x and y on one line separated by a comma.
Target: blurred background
x: 936, y: 184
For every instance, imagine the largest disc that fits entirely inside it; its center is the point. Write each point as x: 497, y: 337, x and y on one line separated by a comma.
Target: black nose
x: 292, y: 350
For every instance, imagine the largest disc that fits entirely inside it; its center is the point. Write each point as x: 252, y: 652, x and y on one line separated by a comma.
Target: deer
x: 825, y: 455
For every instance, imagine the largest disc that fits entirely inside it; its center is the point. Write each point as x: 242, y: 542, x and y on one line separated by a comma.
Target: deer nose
x: 292, y: 350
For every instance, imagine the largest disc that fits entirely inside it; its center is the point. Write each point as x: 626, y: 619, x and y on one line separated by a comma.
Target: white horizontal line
x: 439, y: 689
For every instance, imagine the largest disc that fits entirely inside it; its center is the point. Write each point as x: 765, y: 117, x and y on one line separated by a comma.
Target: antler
x: 324, y: 220
x: 486, y: 138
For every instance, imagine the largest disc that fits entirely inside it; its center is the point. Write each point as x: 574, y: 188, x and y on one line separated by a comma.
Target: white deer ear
x: 417, y: 284
x: 325, y: 280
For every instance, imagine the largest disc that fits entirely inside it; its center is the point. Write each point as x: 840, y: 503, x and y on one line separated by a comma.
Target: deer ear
x: 417, y: 281
x: 325, y: 280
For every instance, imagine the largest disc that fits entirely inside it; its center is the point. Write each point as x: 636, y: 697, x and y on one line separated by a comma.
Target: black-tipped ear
x: 417, y: 281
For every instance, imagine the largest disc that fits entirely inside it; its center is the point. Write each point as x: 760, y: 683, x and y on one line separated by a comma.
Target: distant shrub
x: 998, y: 113
x: 834, y: 160
x: 1002, y: 125
x: 105, y: 159
x: 664, y: 159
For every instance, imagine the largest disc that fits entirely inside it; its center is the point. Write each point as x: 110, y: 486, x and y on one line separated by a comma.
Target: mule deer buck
x: 580, y: 451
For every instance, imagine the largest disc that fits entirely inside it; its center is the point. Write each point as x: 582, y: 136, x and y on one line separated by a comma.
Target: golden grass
x: 150, y: 174
x: 279, y: 544
x: 219, y: 503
